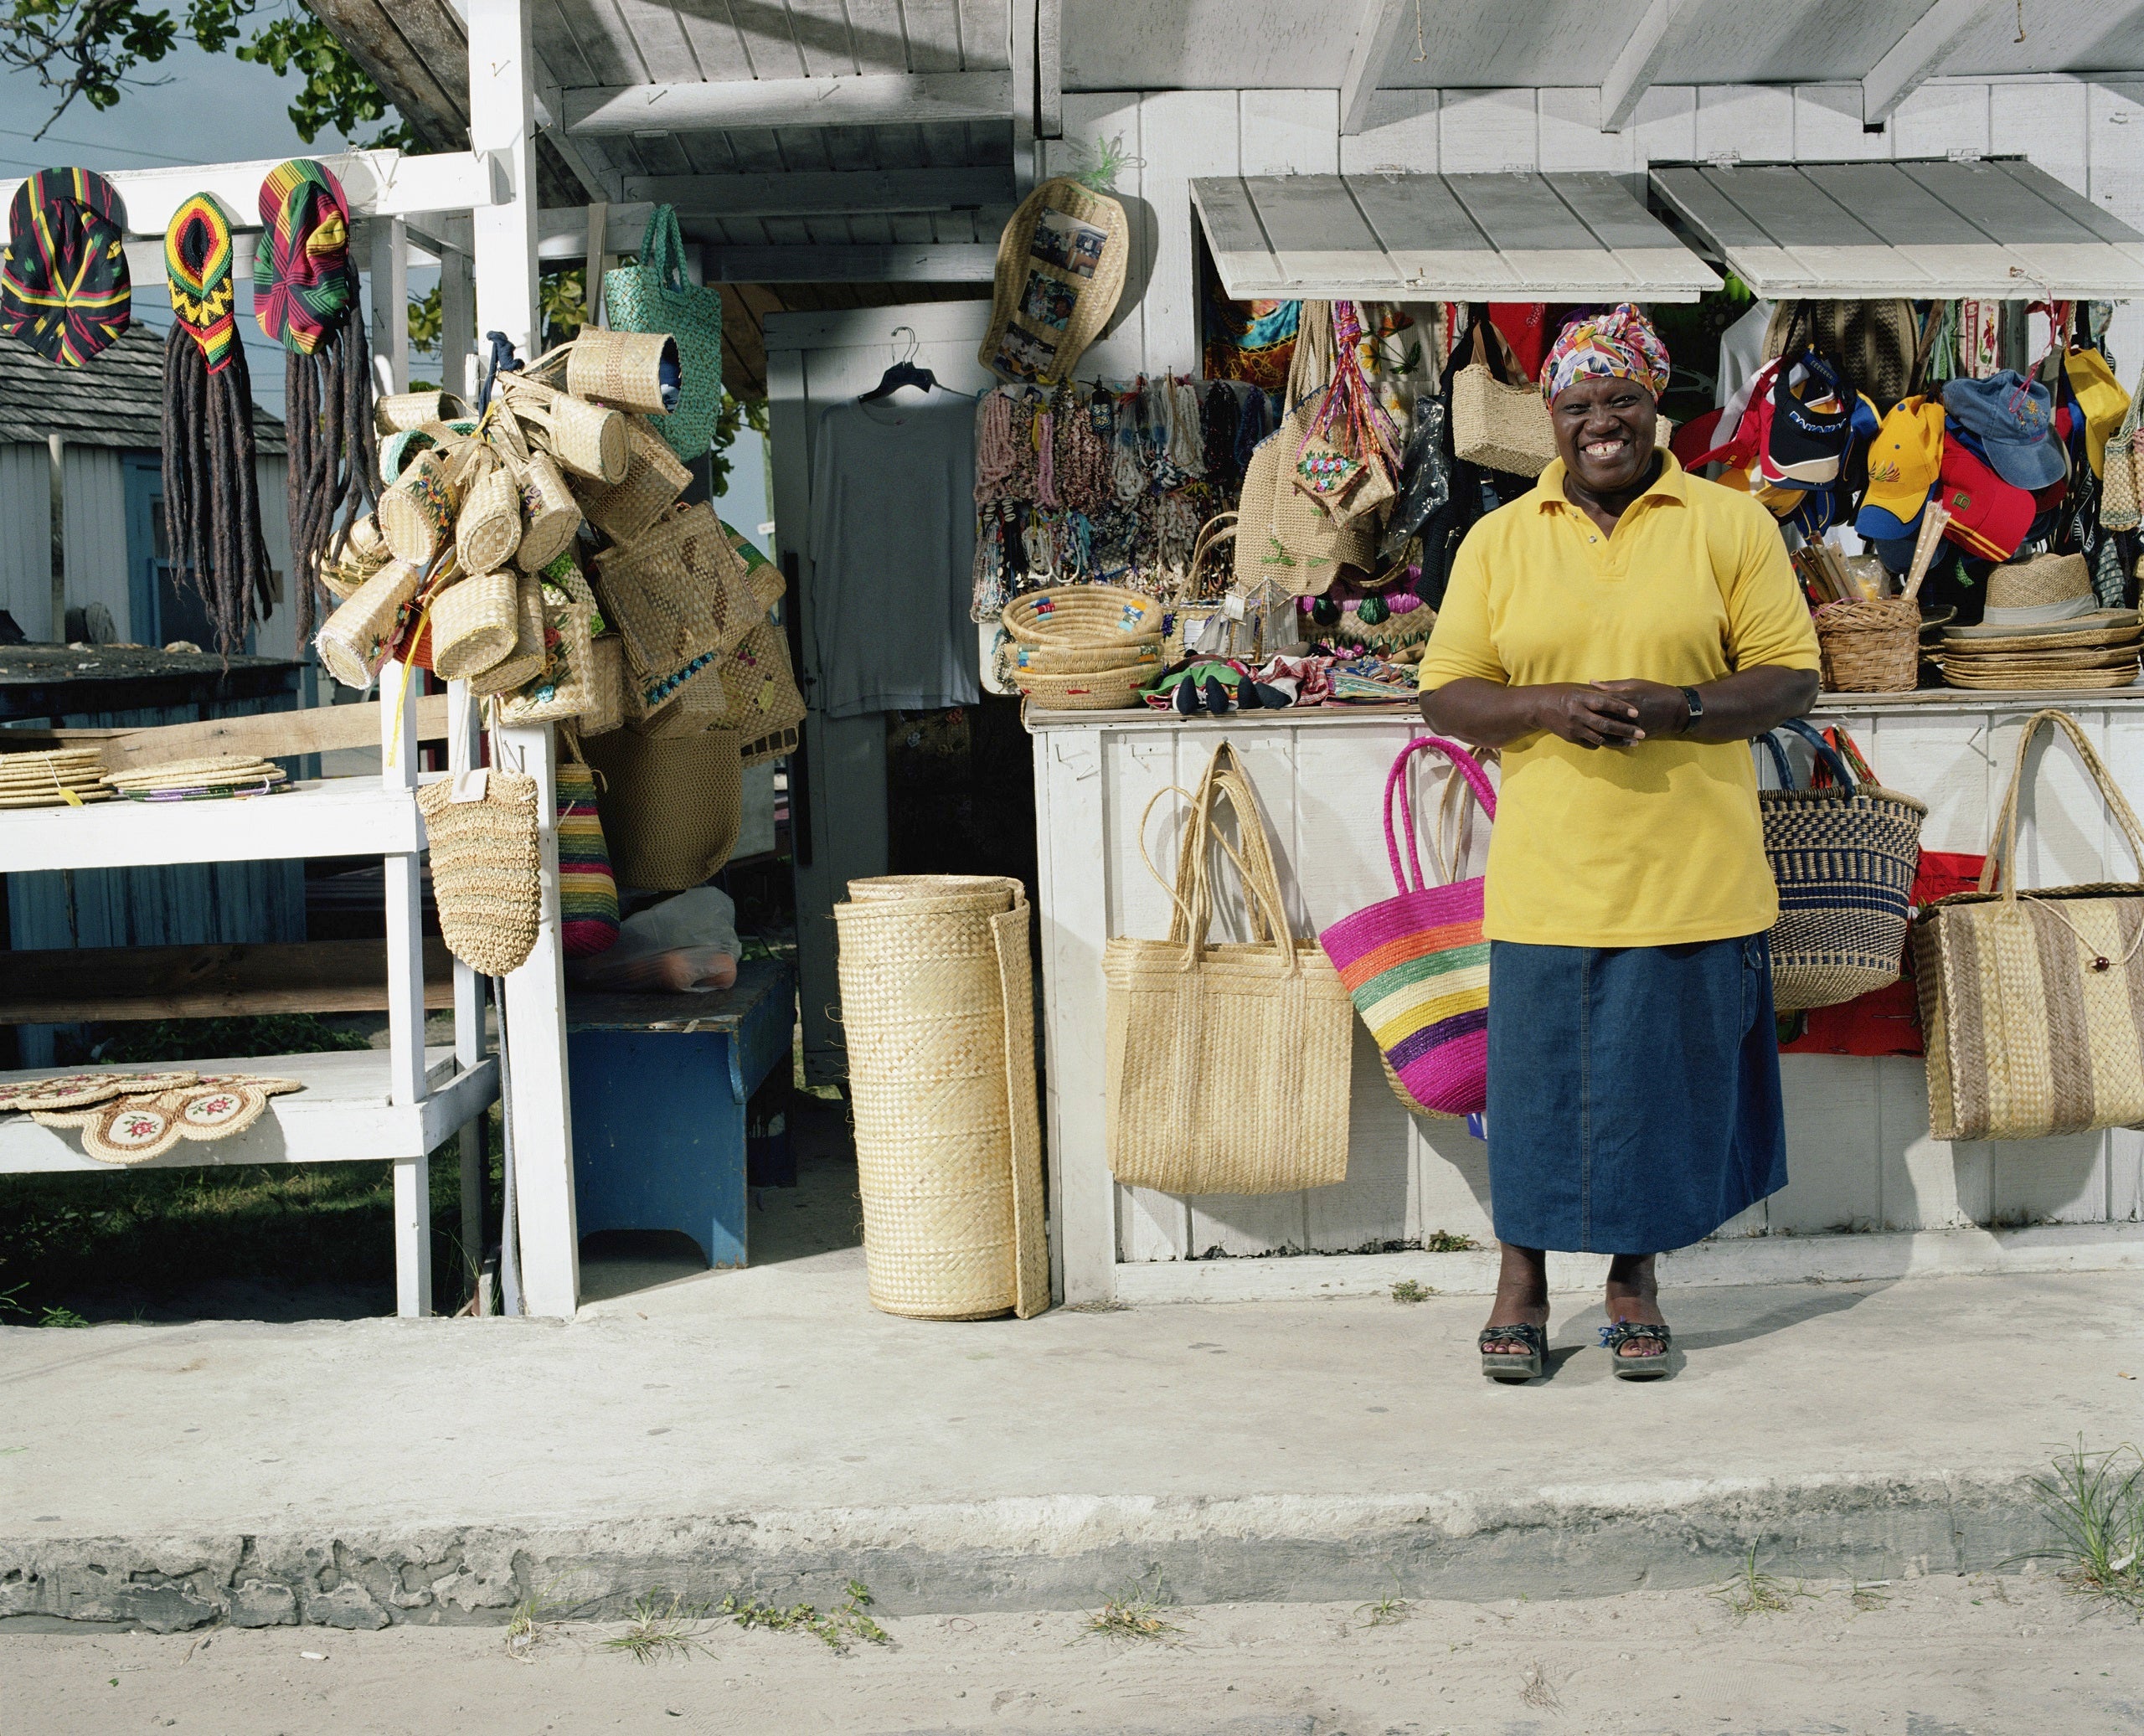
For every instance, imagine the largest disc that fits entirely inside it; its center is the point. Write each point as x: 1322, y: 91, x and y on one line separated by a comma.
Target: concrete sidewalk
x: 765, y: 1431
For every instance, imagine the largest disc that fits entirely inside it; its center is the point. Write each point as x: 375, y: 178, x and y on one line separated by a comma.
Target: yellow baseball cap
x: 2100, y: 397
x: 1904, y: 461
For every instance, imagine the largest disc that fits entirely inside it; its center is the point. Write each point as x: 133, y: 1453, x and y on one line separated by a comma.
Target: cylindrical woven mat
x: 937, y: 1006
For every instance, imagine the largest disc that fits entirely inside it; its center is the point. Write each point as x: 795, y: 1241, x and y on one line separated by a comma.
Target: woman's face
x: 1603, y: 433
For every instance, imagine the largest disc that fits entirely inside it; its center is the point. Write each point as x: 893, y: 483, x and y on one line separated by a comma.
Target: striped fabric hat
x: 197, y: 266
x: 303, y: 288
x: 65, y: 290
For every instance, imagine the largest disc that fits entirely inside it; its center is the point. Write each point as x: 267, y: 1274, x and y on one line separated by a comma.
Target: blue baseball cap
x: 2012, y: 420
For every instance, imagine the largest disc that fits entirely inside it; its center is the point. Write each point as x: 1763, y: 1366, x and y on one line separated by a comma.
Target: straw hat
x: 2048, y: 594
x: 1061, y: 264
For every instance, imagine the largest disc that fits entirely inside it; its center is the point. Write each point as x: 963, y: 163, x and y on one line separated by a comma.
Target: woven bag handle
x: 1827, y: 756
x: 1225, y: 778
x: 1453, y: 814
x: 1464, y: 763
x: 2006, y: 824
x: 662, y: 246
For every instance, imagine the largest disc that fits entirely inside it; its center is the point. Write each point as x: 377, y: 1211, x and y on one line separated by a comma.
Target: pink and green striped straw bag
x: 1417, y: 966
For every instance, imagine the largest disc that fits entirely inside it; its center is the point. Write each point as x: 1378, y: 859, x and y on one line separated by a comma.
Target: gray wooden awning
x: 1996, y: 227
x: 1392, y: 237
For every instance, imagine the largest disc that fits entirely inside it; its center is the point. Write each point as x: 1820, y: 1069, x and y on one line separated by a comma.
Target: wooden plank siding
x: 25, y: 536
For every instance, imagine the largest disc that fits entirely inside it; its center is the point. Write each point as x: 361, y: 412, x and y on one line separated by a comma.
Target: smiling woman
x: 1622, y: 633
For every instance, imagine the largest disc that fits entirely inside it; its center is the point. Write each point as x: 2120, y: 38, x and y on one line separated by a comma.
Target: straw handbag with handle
x: 657, y: 296
x: 1228, y: 1063
x: 2121, y: 491
x: 2029, y: 1000
x: 486, y: 865
x: 1498, y: 426
x: 671, y: 808
x: 1287, y: 537
x: 653, y: 478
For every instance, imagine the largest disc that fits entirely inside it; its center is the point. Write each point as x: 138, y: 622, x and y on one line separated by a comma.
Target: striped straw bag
x: 1844, y: 860
x: 1416, y: 963
x: 2029, y: 1000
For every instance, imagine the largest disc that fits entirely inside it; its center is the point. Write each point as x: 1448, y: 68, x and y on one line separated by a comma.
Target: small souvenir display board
x: 132, y: 1117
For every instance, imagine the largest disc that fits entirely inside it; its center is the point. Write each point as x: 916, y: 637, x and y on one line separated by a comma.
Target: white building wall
x: 94, y: 526
x: 26, y: 536
x: 2087, y: 133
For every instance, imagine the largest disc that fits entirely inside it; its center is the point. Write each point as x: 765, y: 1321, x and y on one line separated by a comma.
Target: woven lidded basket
x: 487, y: 523
x: 623, y: 368
x: 353, y: 642
x: 487, y: 870
x: 938, y: 1015
x: 524, y: 662
x: 416, y: 515
x: 564, y: 686
x: 1083, y: 614
x: 606, y: 693
x: 588, y: 439
x: 1870, y: 647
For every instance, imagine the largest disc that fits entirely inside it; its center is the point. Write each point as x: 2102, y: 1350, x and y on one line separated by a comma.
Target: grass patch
x: 1752, y: 1593
x: 524, y: 1628
x: 1134, y: 1614
x: 1408, y: 1290
x: 1444, y: 1241
x: 2095, y: 1501
x: 837, y: 1629
x: 1387, y: 1611
x: 656, y: 1629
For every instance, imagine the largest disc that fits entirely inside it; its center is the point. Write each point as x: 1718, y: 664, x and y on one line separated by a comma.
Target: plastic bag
x: 1425, y: 475
x: 685, y: 944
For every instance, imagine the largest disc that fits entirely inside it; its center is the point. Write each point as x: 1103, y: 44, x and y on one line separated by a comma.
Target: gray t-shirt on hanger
x: 892, y: 544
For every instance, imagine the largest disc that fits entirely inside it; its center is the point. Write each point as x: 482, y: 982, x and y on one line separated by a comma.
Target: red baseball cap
x: 1989, y: 517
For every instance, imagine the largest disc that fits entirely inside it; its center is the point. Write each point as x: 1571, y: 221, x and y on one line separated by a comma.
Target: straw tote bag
x: 1417, y: 965
x: 1228, y: 1063
x: 671, y: 808
x: 1844, y: 859
x: 657, y: 296
x: 2121, y: 494
x: 2029, y: 1000
x: 1497, y: 426
x: 486, y: 865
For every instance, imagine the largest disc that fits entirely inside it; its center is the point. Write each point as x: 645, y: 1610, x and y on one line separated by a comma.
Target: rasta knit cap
x: 302, y: 284
x: 198, y: 257
x: 1619, y: 344
x: 65, y: 290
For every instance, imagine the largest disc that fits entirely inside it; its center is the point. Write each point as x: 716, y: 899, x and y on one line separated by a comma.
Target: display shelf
x: 333, y: 817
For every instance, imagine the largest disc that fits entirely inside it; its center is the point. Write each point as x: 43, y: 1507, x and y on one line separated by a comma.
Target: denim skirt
x: 1634, y: 1099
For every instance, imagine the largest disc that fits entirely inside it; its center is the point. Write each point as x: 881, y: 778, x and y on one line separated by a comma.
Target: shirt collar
x: 1670, y: 484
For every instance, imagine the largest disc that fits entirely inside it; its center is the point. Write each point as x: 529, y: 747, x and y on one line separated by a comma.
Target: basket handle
x: 1825, y: 752
x: 2006, y: 823
x: 1225, y: 779
x: 1462, y: 763
x: 662, y: 246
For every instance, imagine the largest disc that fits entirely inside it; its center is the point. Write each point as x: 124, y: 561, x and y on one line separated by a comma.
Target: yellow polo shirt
x: 1658, y: 843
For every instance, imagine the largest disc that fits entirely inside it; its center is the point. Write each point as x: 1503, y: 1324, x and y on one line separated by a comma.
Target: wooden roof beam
x: 1915, y: 57
x: 846, y: 192
x: 1376, y: 33
x: 1643, y: 58
x: 873, y: 99
x: 942, y: 262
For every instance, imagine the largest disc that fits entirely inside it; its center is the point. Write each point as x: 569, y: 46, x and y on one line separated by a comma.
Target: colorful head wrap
x: 197, y: 266
x: 1619, y: 344
x: 65, y: 291
x: 302, y: 284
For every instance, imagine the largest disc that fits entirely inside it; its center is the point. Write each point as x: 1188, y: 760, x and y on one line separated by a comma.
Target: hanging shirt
x: 1658, y: 843
x: 892, y: 542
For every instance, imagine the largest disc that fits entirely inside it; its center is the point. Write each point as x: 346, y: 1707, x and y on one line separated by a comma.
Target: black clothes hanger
x: 903, y: 373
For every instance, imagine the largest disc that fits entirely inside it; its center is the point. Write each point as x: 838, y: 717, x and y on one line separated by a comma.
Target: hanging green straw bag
x: 656, y: 295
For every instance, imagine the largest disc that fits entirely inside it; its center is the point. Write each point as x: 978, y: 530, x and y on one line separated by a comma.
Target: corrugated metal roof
x: 1997, y: 226
x: 1465, y: 238
x: 116, y: 400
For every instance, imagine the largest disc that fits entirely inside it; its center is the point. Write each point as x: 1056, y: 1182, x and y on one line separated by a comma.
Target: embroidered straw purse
x: 2029, y: 1000
x: 1228, y: 1063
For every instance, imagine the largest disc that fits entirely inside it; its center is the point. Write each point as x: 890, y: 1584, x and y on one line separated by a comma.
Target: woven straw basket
x: 487, y: 870
x: 399, y: 412
x: 1497, y: 426
x: 1033, y: 248
x: 525, y: 662
x: 550, y: 517
x: 475, y: 623
x: 1870, y: 647
x: 1097, y: 690
x: 416, y: 515
x: 1018, y: 658
x: 698, y: 703
x: 1844, y: 859
x: 654, y: 476
x: 760, y: 686
x: 937, y: 1012
x: 670, y: 809
x: 606, y: 699
x: 1071, y: 616
x: 353, y: 642
x: 677, y: 593
x: 587, y: 438
x: 564, y: 687
x: 1228, y: 1064
x: 622, y: 368
x: 487, y: 525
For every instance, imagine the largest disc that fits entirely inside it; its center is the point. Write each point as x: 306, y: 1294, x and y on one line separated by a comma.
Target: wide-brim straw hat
x: 1066, y: 243
x: 2047, y: 594
x: 2029, y: 681
x: 1955, y: 644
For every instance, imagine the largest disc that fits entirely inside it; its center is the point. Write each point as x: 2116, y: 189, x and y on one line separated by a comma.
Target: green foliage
x: 836, y: 1630
x: 2094, y: 1504
x: 426, y: 320
x: 736, y: 415
x: 96, y: 48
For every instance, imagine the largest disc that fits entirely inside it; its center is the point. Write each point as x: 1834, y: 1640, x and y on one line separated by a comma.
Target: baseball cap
x: 1904, y: 461
x: 1988, y: 517
x: 1805, y: 433
x: 2013, y: 419
x: 2101, y: 399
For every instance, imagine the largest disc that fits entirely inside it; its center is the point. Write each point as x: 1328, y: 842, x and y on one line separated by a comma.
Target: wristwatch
x: 1695, y: 702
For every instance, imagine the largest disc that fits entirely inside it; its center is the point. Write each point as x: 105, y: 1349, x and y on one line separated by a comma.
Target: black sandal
x: 1630, y: 1331
x: 1501, y: 1364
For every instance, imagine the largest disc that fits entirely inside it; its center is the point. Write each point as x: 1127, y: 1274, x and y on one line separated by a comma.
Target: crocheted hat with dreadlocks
x: 65, y: 291
x: 303, y: 286
x: 198, y: 266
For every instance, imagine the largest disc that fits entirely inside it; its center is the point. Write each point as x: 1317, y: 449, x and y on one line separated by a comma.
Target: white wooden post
x: 405, y: 1001
x: 458, y: 324
x: 464, y: 720
x: 501, y: 118
x: 390, y: 305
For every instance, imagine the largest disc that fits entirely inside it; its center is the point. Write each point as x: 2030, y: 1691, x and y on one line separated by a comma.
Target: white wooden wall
x: 94, y: 524
x: 2089, y: 135
x: 1859, y: 1154
x: 25, y: 536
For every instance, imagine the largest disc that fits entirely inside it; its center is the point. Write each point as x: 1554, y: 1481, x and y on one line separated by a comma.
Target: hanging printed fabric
x: 303, y: 286
x: 1060, y: 268
x: 65, y: 290
x: 657, y: 296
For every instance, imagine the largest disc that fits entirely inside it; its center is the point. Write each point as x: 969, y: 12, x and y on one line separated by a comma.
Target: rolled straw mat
x: 936, y: 1000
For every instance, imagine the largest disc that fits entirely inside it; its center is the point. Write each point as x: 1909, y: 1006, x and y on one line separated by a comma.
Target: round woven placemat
x: 216, y: 771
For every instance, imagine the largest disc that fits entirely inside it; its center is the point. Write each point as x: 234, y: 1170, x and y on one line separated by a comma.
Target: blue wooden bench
x: 660, y: 1088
